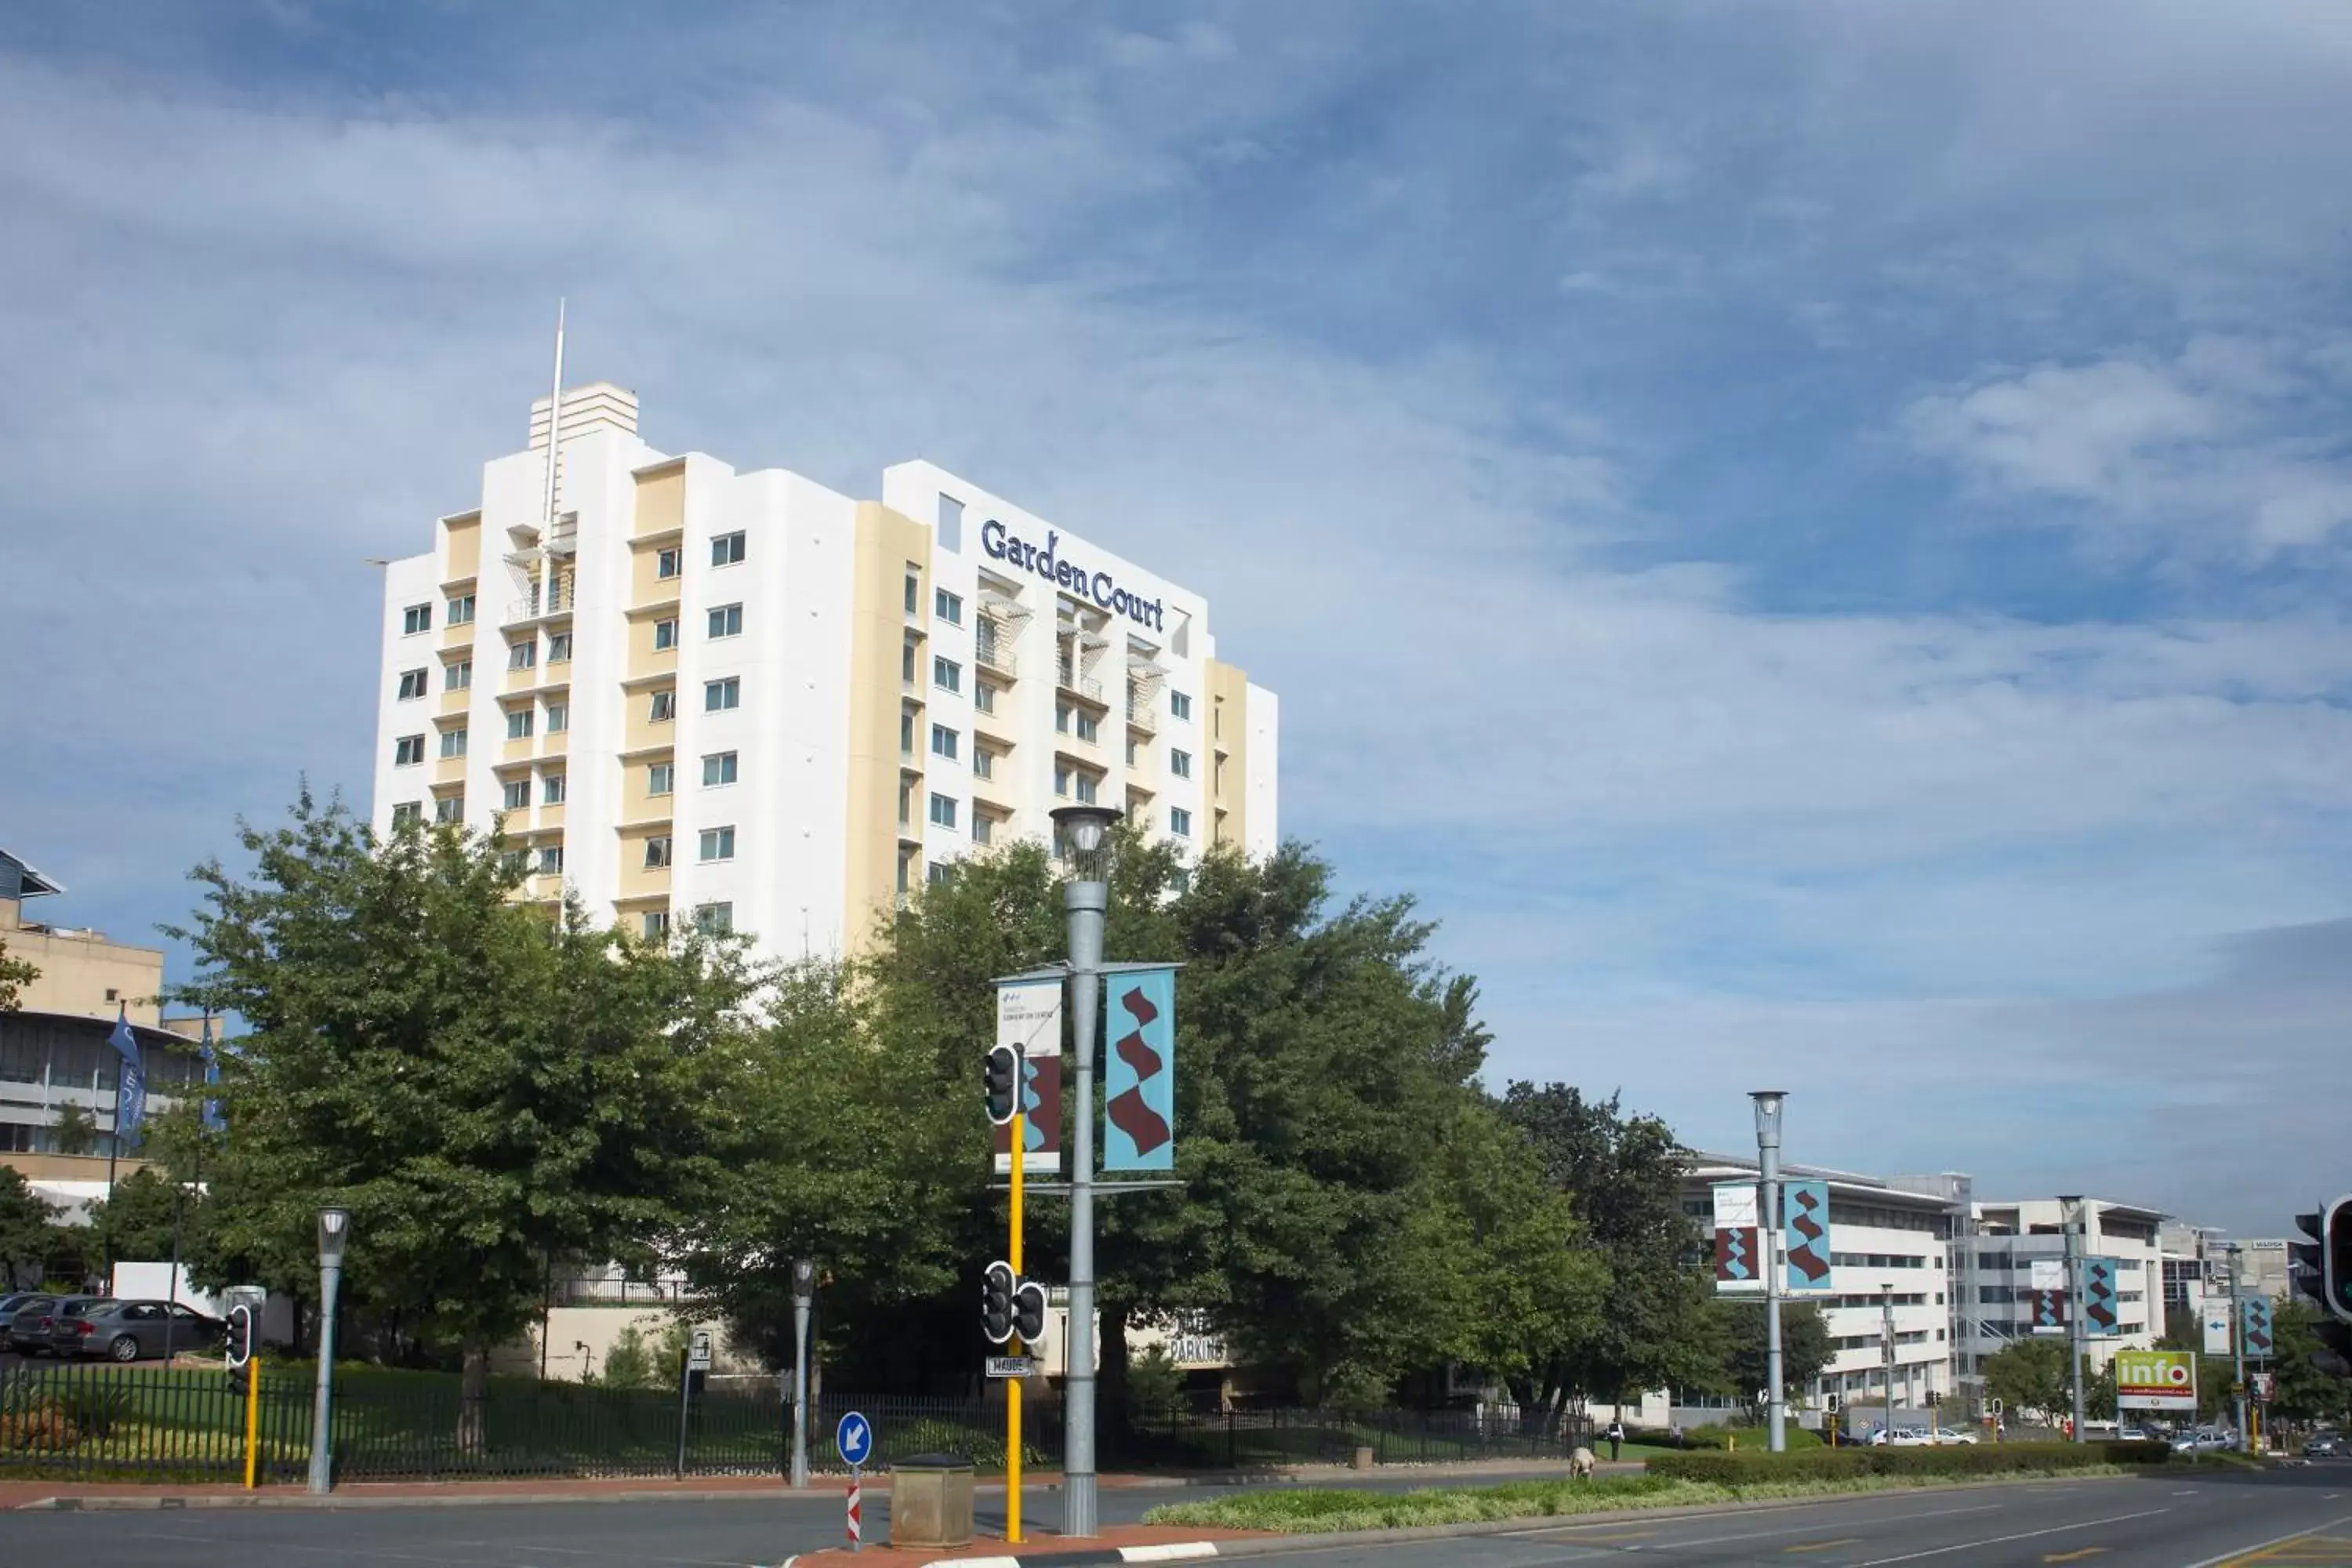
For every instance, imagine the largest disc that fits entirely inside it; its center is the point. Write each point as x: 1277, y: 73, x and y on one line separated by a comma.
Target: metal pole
x: 1086, y: 901
x: 2074, y: 1322
x: 685, y: 1397
x: 2238, y: 1340
x: 1013, y: 1385
x: 1886, y: 1352
x: 1768, y: 1234
x: 799, y: 1389
x: 331, y: 1280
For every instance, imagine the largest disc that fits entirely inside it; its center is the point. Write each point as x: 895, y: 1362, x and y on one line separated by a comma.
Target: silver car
x: 126, y: 1331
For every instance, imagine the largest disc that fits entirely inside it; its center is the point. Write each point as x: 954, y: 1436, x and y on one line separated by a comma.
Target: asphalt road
x: 2299, y: 1519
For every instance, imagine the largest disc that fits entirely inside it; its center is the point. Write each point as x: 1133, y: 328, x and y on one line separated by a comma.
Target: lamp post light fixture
x: 1768, y: 1236
x: 334, y: 1235
x: 803, y: 1296
x: 2070, y: 1213
x: 1082, y: 831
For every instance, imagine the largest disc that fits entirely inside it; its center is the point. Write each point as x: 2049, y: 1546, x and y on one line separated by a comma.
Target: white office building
x: 690, y: 692
x: 2011, y: 1237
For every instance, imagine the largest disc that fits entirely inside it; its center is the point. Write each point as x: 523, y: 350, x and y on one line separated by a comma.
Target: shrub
x: 94, y: 1406
x: 1755, y: 1438
x: 38, y: 1426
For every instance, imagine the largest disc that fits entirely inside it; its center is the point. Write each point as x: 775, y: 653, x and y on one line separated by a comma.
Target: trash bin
x: 930, y: 1501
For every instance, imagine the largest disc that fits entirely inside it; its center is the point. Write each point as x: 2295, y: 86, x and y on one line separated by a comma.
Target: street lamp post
x: 335, y: 1231
x: 1084, y: 830
x: 2071, y: 1215
x: 803, y: 1296
x: 1768, y: 1236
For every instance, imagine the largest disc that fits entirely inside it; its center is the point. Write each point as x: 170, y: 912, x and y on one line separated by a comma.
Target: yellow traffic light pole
x: 1013, y: 1388
x: 252, y: 1416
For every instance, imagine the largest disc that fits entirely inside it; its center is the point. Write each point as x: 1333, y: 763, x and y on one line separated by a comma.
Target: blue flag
x: 214, y: 1119
x: 130, y: 1081
x: 1140, y: 1071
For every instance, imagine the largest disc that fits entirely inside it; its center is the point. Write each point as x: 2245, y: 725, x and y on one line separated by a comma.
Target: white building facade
x: 2011, y: 1236
x: 746, y: 700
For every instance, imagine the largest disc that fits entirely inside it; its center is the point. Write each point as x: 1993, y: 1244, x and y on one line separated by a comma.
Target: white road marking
x: 1803, y: 1528
x: 2237, y: 1551
x: 2002, y: 1540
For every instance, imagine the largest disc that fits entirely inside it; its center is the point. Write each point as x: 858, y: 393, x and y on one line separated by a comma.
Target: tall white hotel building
x: 742, y: 699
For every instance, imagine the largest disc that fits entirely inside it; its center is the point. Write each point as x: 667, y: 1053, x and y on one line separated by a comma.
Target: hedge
x: 1950, y: 1460
x: 1750, y: 1437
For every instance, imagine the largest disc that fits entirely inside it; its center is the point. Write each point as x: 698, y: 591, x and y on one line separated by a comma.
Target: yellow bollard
x: 252, y: 1416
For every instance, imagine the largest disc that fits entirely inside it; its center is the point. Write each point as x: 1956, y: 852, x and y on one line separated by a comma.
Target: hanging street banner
x: 1738, y: 1256
x: 2156, y: 1380
x: 1805, y: 1235
x: 2214, y: 1313
x: 2046, y: 1284
x: 1139, y: 1071
x: 1029, y: 1019
x: 2099, y: 1313
x: 2256, y: 1328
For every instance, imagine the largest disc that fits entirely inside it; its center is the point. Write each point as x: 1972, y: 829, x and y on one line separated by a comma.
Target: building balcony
x: 555, y: 601
x: 1084, y: 686
x: 996, y: 657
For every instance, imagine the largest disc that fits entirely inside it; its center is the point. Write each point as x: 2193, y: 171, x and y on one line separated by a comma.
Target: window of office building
x: 459, y: 677
x: 717, y: 768
x: 657, y: 924
x: 1180, y: 706
x: 914, y: 591
x: 906, y: 732
x: 407, y: 811
x: 717, y: 919
x: 408, y: 750
x: 1088, y: 727
x: 665, y: 635
x: 1085, y: 786
x: 664, y: 707
x: 1062, y: 712
x: 660, y: 777
x: 983, y: 761
x: 727, y: 548
x: 984, y: 696
x: 658, y: 851
x: 1131, y: 750
x: 558, y: 718
x: 558, y: 648
x: 717, y: 844
x: 906, y: 662
x: 516, y: 794
x: 522, y: 655
x: 449, y: 808
x: 518, y: 724
x: 719, y: 695
x: 666, y: 564
x: 947, y: 606
x: 413, y: 684
x: 1180, y: 764
x: 1061, y: 778
x: 943, y: 810
x: 415, y: 619
x: 946, y: 675
x: 727, y: 621
x: 452, y: 742
x: 943, y: 741
x: 551, y: 860
x: 1180, y: 822
x: 984, y: 828
x: 551, y: 790
x: 461, y: 610
x: 938, y: 873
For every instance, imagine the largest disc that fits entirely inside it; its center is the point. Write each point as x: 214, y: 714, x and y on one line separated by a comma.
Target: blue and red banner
x: 1805, y: 1235
x: 1139, y: 1071
x: 2099, y: 1296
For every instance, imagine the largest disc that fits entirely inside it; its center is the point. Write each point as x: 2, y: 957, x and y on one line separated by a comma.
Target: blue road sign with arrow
x: 854, y: 1438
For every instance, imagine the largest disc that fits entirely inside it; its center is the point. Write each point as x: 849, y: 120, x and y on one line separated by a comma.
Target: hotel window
x: 515, y: 862
x: 983, y: 761
x: 1061, y: 778
x: 406, y: 812
x: 1062, y: 717
x: 906, y: 732
x: 516, y: 794
x: 946, y: 675
x: 461, y: 610
x: 719, y: 695
x: 657, y: 925
x: 943, y: 810
x: 1180, y: 822
x: 982, y: 826
x: 664, y: 708
x: 1180, y: 706
x: 522, y: 655
x: 717, y: 844
x: 727, y: 621
x: 1089, y: 728
x: 449, y: 808
x: 1131, y: 750
x: 558, y: 718
x: 984, y: 696
x: 413, y: 684
x: 551, y: 790
x: 905, y: 804
x: 452, y: 742
x: 727, y: 548
x: 415, y: 619
x: 715, y: 920
x: 1085, y: 789
x: 658, y: 852
x: 661, y: 778
x: 551, y: 860
x: 518, y: 724
x: 938, y: 873
x: 665, y: 636
x: 1181, y: 764
x: 666, y: 564
x: 408, y: 750
x: 943, y: 741
x: 717, y: 768
x: 558, y: 648
x: 906, y: 858
x: 947, y: 607
x: 914, y: 591
x: 459, y: 676
x: 906, y: 662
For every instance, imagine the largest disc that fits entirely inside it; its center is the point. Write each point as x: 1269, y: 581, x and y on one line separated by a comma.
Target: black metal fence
x: 96, y: 1420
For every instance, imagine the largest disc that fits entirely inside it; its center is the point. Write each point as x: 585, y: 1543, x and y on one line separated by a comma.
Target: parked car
x: 2323, y: 1446
x: 29, y: 1327
x: 1902, y: 1437
x: 127, y: 1330
x: 65, y: 1321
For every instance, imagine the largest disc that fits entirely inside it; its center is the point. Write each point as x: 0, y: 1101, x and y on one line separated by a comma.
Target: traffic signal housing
x: 1029, y: 1312
x: 2322, y: 1269
x: 1001, y: 1075
x: 997, y: 1289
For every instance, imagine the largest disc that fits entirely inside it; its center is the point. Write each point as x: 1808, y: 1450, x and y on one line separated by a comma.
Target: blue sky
x: 1812, y: 537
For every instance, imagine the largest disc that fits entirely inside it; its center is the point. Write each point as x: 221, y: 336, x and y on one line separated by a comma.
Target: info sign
x: 2156, y: 1380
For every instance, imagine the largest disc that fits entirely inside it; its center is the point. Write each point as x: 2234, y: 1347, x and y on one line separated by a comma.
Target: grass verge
x: 1306, y: 1510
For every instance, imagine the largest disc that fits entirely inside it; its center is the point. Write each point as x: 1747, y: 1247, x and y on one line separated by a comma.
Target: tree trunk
x: 473, y: 1398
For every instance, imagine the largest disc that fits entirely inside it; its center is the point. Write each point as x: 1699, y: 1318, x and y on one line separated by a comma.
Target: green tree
x: 16, y: 974
x: 75, y: 1131
x: 2031, y: 1375
x: 29, y: 1230
x: 1621, y: 1174
x: 634, y: 1362
x: 136, y: 1222
x: 1742, y: 1329
x: 2305, y: 1392
x: 487, y: 1086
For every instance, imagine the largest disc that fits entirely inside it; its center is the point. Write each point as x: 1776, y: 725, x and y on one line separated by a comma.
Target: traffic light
x: 1002, y: 1075
x: 997, y: 1289
x: 1029, y: 1312
x: 2322, y: 1269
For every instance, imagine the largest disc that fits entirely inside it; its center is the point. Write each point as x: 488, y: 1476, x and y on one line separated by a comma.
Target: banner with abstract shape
x: 1029, y: 1019
x: 1738, y: 1255
x: 1805, y: 1235
x: 1139, y: 1071
x: 2099, y: 1313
